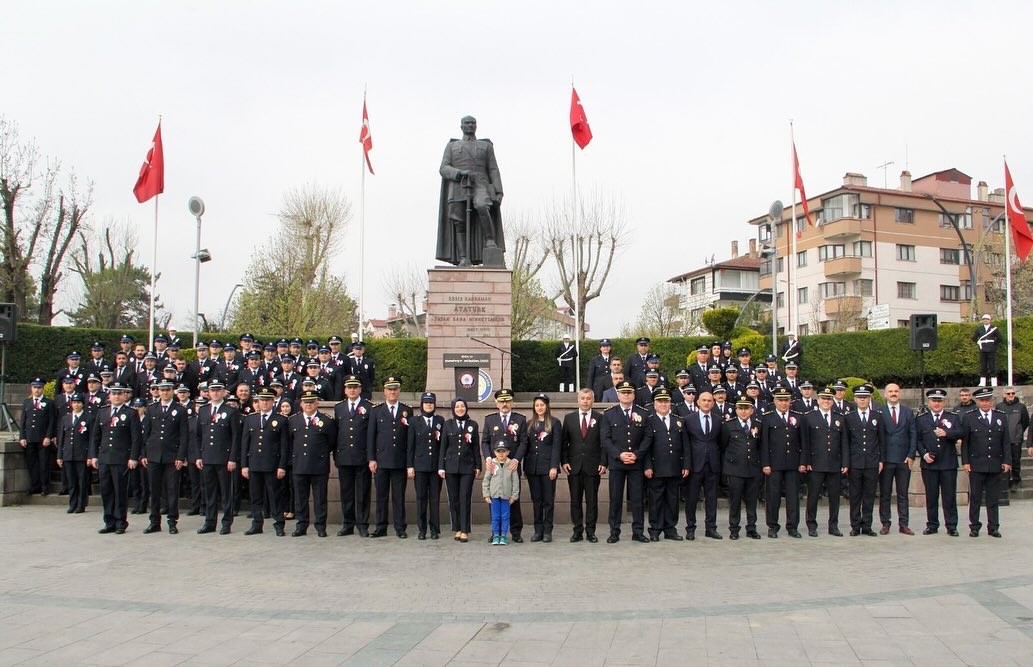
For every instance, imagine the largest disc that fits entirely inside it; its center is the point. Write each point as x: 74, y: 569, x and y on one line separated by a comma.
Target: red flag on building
x: 151, y: 181
x: 578, y: 121
x: 1020, y: 234
x: 365, y: 138
x: 798, y: 184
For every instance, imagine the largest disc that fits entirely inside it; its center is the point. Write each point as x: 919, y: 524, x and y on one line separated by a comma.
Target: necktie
x: 165, y: 411
x: 627, y: 413
x: 864, y: 418
x: 936, y: 419
x: 505, y: 423
x: 429, y: 423
x: 828, y: 419
x: 351, y: 409
x: 986, y: 418
x: 392, y: 412
x: 666, y: 425
x: 706, y: 426
x: 744, y: 426
x: 584, y: 425
x: 783, y: 416
x: 264, y: 416
x: 893, y: 411
x: 308, y: 421
x: 37, y: 404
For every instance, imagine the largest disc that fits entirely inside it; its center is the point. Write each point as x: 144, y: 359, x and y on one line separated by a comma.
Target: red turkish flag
x: 1020, y: 234
x: 798, y: 184
x: 578, y: 121
x: 365, y: 138
x: 151, y: 181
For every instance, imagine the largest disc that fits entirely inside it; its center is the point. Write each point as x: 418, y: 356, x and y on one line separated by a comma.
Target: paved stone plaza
x: 71, y: 596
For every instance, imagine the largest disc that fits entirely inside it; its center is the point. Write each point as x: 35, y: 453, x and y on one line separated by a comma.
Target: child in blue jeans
x: 501, y: 489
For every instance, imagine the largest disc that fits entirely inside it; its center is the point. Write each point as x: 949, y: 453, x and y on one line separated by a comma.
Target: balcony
x: 842, y: 266
x: 841, y: 228
x: 849, y: 306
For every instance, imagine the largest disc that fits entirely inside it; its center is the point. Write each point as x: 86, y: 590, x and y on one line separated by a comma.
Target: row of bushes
x: 879, y: 356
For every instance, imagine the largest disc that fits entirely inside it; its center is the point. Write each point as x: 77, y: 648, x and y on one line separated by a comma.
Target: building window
x: 966, y: 253
x: 863, y: 287
x: 950, y: 293
x: 827, y: 252
x: 803, y: 330
x: 696, y: 315
x: 906, y: 291
x: 862, y: 248
x: 801, y: 258
x: 966, y: 290
x: 995, y: 259
x: 840, y: 206
x: 764, y: 233
x: 905, y: 215
x: 801, y: 295
x: 698, y: 286
x: 801, y: 223
x: 905, y: 253
x: 866, y: 212
x: 903, y: 324
x: 780, y: 300
x: 964, y: 219
x: 829, y: 290
x: 998, y: 226
x: 780, y: 265
x: 765, y: 267
x: 949, y: 256
x: 733, y: 279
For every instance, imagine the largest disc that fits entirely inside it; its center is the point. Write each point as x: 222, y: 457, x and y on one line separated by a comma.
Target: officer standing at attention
x: 263, y: 461
x: 311, y: 436
x: 423, y: 451
x: 115, y: 438
x: 937, y: 430
x: 599, y: 369
x: 985, y: 454
x: 353, y: 475
x: 363, y: 367
x: 987, y: 338
x: 866, y: 436
x: 73, y: 448
x: 622, y: 431
x: 386, y: 447
x: 780, y: 449
x: 218, y: 441
x: 826, y: 456
x: 566, y: 357
x: 665, y: 466
x: 635, y: 366
x: 512, y: 428
x: 740, y: 444
x: 165, y: 441
x: 39, y: 425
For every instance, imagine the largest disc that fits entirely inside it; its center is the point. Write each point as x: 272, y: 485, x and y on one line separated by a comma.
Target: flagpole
x: 573, y: 251
x: 362, y: 240
x: 791, y: 256
x: 1007, y: 276
x: 154, y: 273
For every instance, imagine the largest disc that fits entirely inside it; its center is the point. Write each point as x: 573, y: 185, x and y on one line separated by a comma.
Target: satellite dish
x: 196, y: 206
x: 775, y: 210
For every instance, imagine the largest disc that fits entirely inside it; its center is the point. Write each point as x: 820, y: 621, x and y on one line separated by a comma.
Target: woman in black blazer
x: 541, y: 466
x: 460, y: 464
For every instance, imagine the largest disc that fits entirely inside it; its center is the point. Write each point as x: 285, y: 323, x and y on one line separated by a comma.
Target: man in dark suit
x: 699, y: 371
x: 704, y: 435
x: 635, y: 366
x: 936, y: 432
x: 218, y: 439
x: 866, y: 439
x: 901, y: 449
x: 780, y: 450
x: 115, y: 438
x: 665, y: 465
x: 363, y: 367
x: 353, y: 475
x: 740, y: 445
x: 73, y: 448
x: 610, y: 395
x: 386, y: 444
x: 39, y: 425
x: 165, y: 441
x: 511, y: 427
x: 987, y: 337
x: 263, y: 461
x: 311, y: 436
x: 825, y: 454
x: 582, y: 460
x: 423, y: 451
x: 621, y: 435
x: 599, y: 369
x: 985, y: 454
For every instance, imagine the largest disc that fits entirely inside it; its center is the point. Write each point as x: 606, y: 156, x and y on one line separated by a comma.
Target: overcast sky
x: 689, y: 102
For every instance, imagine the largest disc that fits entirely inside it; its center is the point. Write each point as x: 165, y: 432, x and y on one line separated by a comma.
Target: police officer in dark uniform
x: 699, y: 372
x: 644, y: 394
x: 723, y: 408
x: 312, y: 436
x: 566, y: 357
x: 937, y: 430
x: 741, y: 445
x: 163, y: 453
x: 665, y: 447
x: 653, y: 365
x: 74, y: 370
x: 807, y: 401
x: 866, y: 439
x: 687, y: 405
x: 511, y: 427
x: 826, y: 457
x: 622, y: 433
x: 459, y: 463
x: 218, y: 439
x: 73, y: 448
x: 115, y: 437
x: 987, y: 337
x: 635, y: 366
x: 985, y: 454
x: 792, y: 351
x: 39, y: 424
x: 263, y: 461
x: 780, y: 449
x: 386, y: 447
x: 363, y: 367
x: 423, y: 451
x: 599, y: 369
x: 353, y: 475
x: 96, y: 363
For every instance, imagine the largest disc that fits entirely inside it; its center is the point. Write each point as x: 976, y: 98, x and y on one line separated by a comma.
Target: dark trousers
x: 304, y: 485
x: 460, y: 500
x: 196, y: 490
x: 978, y: 482
x: 356, y: 482
x: 391, y: 481
x: 78, y: 484
x: 1016, y: 462
x: 899, y: 474
x: 428, y: 502
x: 163, y: 478
x: 743, y: 490
x: 114, y: 491
x: 664, y: 498
x: 705, y: 480
x: 632, y: 480
x: 777, y: 482
x: 987, y: 364
x: 941, y: 485
x: 831, y: 480
x: 287, y: 492
x: 543, y: 497
x: 863, y: 482
x: 217, y: 494
x: 264, y: 488
x: 37, y: 458
x: 567, y: 378
x: 140, y: 488
x: 584, y: 487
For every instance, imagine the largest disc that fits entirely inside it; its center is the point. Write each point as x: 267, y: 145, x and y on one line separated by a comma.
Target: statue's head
x: 469, y: 124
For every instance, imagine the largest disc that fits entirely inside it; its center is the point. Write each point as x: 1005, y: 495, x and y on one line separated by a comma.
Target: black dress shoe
x: 537, y: 537
x: 173, y: 530
x: 795, y: 533
x: 106, y: 529
x: 299, y: 532
x: 654, y: 538
x: 345, y: 532
x: 253, y: 530
x: 673, y: 536
x: 421, y: 536
x: 80, y: 511
x: 640, y: 538
x: 576, y: 537
x: 733, y: 536
x: 434, y: 535
x: 869, y: 532
x: 813, y: 532
x: 378, y: 533
x: 691, y: 537
x: 930, y: 531
x: 854, y: 532
x: 773, y: 534
x: 193, y: 512
x: 592, y: 538
x: 69, y: 510
x: 280, y: 532
x: 518, y: 539
x: 714, y: 535
x: 973, y: 533
x: 320, y: 532
x: 402, y: 535
x: 547, y: 537
x: 835, y: 532
x: 994, y: 533
x: 953, y: 532
x: 753, y: 535
x: 136, y: 510
x: 205, y: 529
x: 120, y: 531
x: 363, y: 532
x: 151, y: 529
x: 612, y: 539
x: 225, y: 530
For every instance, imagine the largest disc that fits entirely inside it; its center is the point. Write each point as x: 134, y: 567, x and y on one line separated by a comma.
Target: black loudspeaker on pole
x: 923, y: 333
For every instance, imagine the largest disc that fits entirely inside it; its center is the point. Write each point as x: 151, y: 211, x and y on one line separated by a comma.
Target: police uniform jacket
x: 725, y: 410
x: 705, y: 446
x: 619, y: 434
x: 352, y: 430
x: 460, y: 447
x: 78, y: 374
x: 95, y: 366
x: 943, y: 450
x: 41, y: 422
x: 62, y: 404
x: 733, y: 390
x: 366, y: 371
x: 423, y: 449
x: 73, y: 438
x: 566, y: 355
x: 264, y: 448
x: 699, y: 376
x: 202, y: 370
x: 387, y: 439
x: 116, y: 435
x: 740, y: 448
x: 311, y: 441
x: 684, y: 409
x: 291, y: 386
x: 665, y: 446
x: 985, y: 446
x: 165, y: 434
x: 987, y: 337
x: 515, y: 435
x: 644, y: 394
x: 801, y: 405
x: 842, y: 408
x: 96, y: 401
x: 252, y: 377
x: 781, y: 446
x: 218, y: 434
x: 824, y: 444
x: 867, y: 441
x: 125, y: 375
x: 544, y: 441
x: 599, y: 378
x: 229, y: 373
x: 901, y: 437
x: 635, y: 370
x: 582, y: 454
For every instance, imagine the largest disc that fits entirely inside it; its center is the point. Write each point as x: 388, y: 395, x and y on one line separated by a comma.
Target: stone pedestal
x: 14, y: 474
x: 462, y: 304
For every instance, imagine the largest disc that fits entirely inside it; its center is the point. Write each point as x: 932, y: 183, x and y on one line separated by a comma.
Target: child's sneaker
x: 503, y: 540
x: 495, y: 539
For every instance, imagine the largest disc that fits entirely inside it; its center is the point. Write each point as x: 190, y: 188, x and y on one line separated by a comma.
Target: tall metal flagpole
x: 154, y: 273
x: 1007, y: 276
x: 576, y: 287
x: 791, y: 258
x: 362, y: 227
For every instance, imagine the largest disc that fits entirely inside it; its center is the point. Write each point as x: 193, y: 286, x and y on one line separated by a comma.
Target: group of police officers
x: 246, y: 416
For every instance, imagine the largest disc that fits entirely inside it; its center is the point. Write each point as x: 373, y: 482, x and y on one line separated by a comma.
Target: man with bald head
x: 901, y: 449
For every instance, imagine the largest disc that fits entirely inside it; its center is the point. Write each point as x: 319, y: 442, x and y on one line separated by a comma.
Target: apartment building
x: 732, y: 282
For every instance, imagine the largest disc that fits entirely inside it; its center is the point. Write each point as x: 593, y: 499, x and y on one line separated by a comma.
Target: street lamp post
x: 229, y: 299
x: 196, y: 208
x: 952, y: 218
x: 774, y: 216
